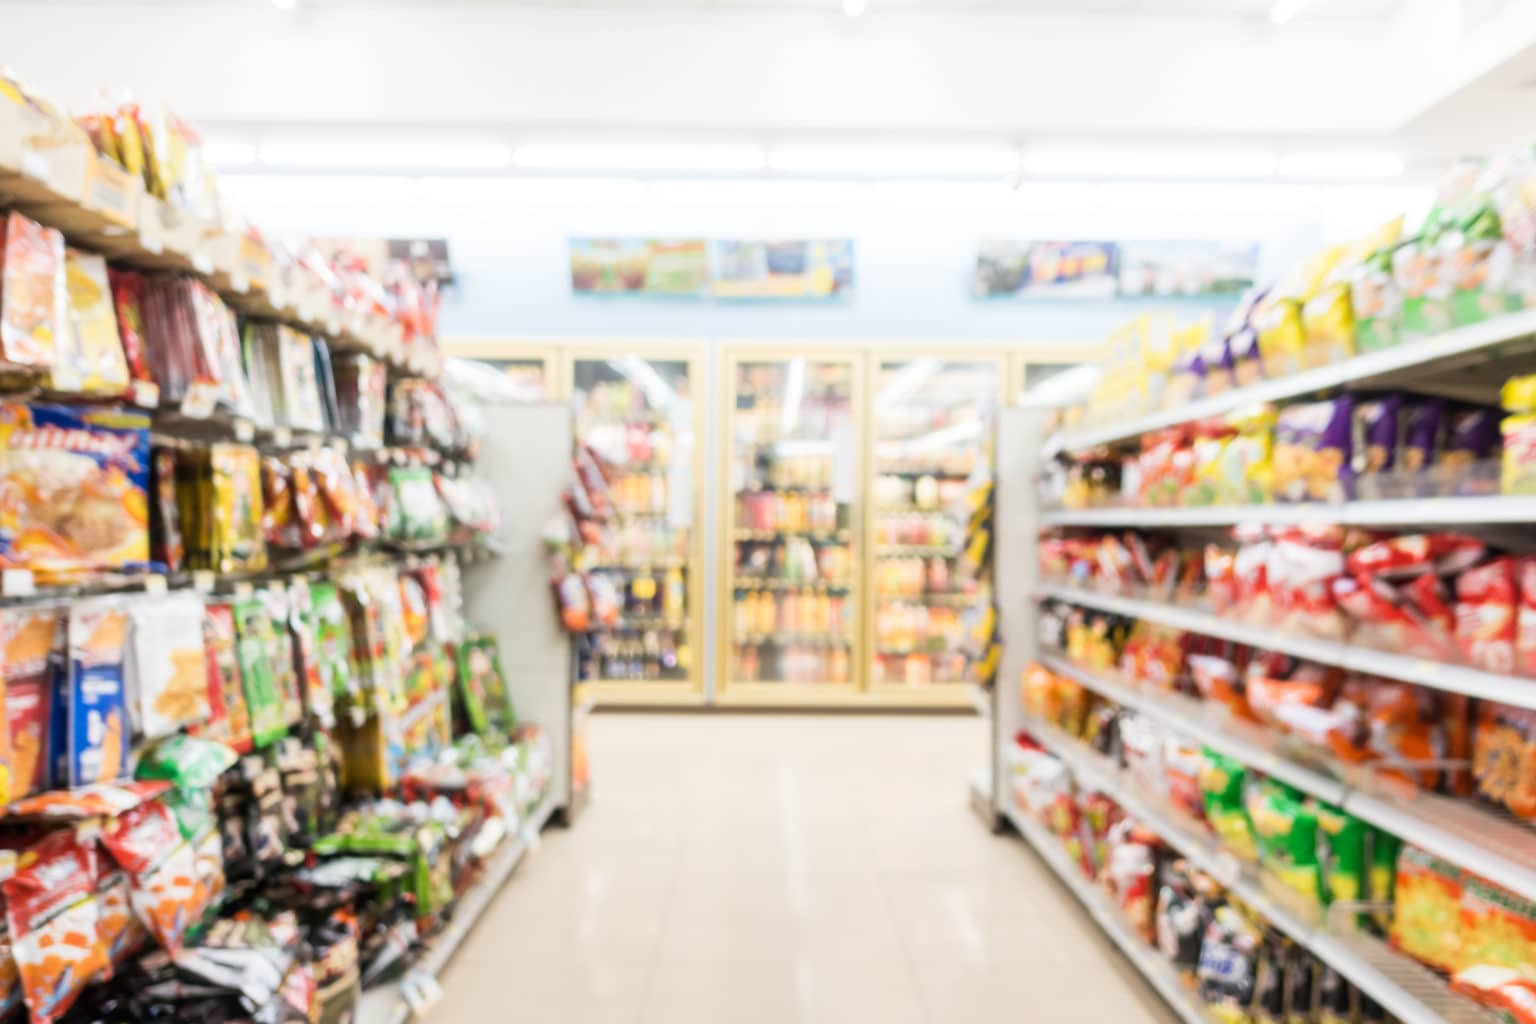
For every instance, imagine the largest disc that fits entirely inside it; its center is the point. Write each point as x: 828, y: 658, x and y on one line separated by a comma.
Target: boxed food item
x: 73, y: 490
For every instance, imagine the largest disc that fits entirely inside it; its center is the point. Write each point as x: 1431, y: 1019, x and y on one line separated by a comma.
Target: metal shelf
x: 1416, y: 354
x: 1437, y: 675
x: 1158, y: 972
x: 1479, y: 839
x: 1491, y: 509
x: 384, y: 1004
x: 1409, y: 991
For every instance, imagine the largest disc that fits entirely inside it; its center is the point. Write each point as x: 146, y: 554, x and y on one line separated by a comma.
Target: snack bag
x: 166, y: 546
x: 1518, y: 471
x: 128, y: 303
x: 1376, y: 301
x: 55, y: 920
x: 1373, y: 444
x: 1504, y: 757
x: 73, y: 490
x: 1486, y: 601
x: 1342, y: 849
x: 237, y: 508
x: 1507, y: 992
x: 32, y: 293
x: 253, y: 651
x: 1222, y: 779
x: 1427, y: 920
x: 162, y: 871
x: 231, y: 716
x: 121, y: 932
x: 88, y: 358
x: 167, y: 664
x: 482, y: 687
x: 34, y: 652
x: 1498, y: 928
x: 1286, y: 831
x: 1230, y: 954
x: 1312, y: 452
x: 98, y: 713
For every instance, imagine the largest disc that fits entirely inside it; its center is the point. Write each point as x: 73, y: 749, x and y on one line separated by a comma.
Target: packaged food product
x: 121, y: 932
x: 1506, y: 991
x: 98, y: 713
x: 166, y: 546
x: 167, y: 674
x: 1504, y: 757
x: 1423, y: 434
x: 236, y: 512
x: 1286, y: 832
x: 1229, y: 963
x: 1223, y: 780
x: 231, y: 716
x: 88, y: 357
x: 1518, y: 469
x: 73, y: 490
x: 1312, y: 451
x: 34, y: 651
x: 32, y: 293
x: 263, y: 699
x: 1377, y: 302
x: 1426, y: 923
x: 1486, y: 602
x: 162, y: 871
x: 55, y: 918
x: 1374, y: 443
x: 1413, y: 554
x: 1342, y: 845
x: 1186, y: 903
x: 1498, y: 928
x: 128, y: 303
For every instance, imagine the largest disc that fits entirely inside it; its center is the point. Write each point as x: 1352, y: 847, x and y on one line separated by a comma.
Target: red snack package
x: 162, y: 871
x: 55, y: 921
x: 1220, y: 578
x: 1485, y: 615
x: 1301, y: 572
x: 1427, y: 600
x: 1219, y: 680
x: 1525, y: 617
x: 123, y: 933
x: 1416, y: 553
x: 128, y: 302
x: 230, y: 719
x: 31, y: 656
x: 1502, y: 989
x: 1504, y: 757
x: 31, y: 292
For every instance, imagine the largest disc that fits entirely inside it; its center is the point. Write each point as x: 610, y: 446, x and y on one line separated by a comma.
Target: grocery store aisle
x: 745, y: 868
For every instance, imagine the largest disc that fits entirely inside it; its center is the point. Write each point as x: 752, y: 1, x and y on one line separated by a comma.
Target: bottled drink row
x: 790, y: 663
x: 790, y: 511
x: 640, y: 494
x: 649, y: 595
x: 914, y: 577
x: 925, y: 529
x: 793, y: 560
x: 920, y: 669
x: 901, y: 627
x: 641, y: 655
x: 765, y: 612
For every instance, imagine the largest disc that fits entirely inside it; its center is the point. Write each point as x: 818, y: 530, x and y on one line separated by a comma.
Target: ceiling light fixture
x: 938, y: 161
x: 1096, y: 162
x: 854, y: 8
x: 440, y: 154
x: 1340, y: 165
x: 704, y: 157
x: 1284, y: 10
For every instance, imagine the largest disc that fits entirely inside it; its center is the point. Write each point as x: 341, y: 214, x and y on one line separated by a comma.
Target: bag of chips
x: 1426, y: 923
x: 98, y: 712
x: 55, y: 920
x: 34, y: 650
x: 162, y: 871
x: 167, y: 664
x: 32, y: 293
x: 89, y: 357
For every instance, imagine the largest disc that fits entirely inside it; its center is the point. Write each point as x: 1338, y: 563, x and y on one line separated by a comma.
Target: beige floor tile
x: 734, y: 869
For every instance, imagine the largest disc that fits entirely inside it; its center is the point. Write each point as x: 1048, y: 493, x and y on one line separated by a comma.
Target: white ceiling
x: 1222, y: 10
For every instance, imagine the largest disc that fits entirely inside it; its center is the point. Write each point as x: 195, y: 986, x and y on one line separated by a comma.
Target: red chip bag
x: 1502, y: 989
x: 1427, y: 600
x: 162, y: 873
x: 1525, y: 617
x: 1416, y: 553
x: 55, y: 921
x: 1485, y: 615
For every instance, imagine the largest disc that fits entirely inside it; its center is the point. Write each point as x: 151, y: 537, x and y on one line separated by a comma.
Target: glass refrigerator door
x: 793, y: 470
x: 638, y: 414
x: 931, y: 419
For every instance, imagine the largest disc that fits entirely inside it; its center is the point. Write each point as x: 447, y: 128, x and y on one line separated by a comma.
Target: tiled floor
x: 778, y: 869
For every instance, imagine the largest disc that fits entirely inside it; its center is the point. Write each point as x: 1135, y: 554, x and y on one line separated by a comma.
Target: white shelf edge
x: 1367, y: 962
x: 383, y: 1003
x: 981, y: 699
x: 1467, y: 835
x: 1437, y: 675
x: 1490, y: 509
x: 1148, y: 961
x: 1412, y: 353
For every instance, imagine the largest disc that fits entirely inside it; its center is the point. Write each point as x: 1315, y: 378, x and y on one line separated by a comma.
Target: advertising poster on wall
x: 675, y: 268
x: 1192, y: 269
x: 1046, y: 270
x: 800, y: 270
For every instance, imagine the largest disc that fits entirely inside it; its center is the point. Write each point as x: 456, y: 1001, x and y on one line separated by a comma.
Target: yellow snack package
x: 89, y: 358
x: 1519, y: 394
x: 1518, y: 474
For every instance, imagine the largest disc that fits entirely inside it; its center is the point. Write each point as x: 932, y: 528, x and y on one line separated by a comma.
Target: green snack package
x: 1222, y: 780
x: 1382, y: 852
x: 192, y: 809
x: 1287, y: 837
x: 389, y: 831
x: 187, y: 762
x: 482, y: 687
x: 1378, y: 303
x: 1341, y: 850
x: 333, y: 651
x: 253, y: 646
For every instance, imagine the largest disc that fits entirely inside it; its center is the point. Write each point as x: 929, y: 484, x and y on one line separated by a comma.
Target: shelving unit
x: 1469, y: 511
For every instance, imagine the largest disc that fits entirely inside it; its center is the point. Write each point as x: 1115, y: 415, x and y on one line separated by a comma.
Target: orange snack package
x: 55, y: 921
x: 163, y: 885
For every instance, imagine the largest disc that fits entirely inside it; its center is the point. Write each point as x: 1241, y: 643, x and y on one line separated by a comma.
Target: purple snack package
x: 1470, y: 436
x: 1312, y: 451
x: 1243, y: 351
x: 1187, y: 382
x: 1375, y: 435
x: 1421, y: 434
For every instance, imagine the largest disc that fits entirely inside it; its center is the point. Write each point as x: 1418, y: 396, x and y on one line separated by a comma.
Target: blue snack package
x: 98, y: 711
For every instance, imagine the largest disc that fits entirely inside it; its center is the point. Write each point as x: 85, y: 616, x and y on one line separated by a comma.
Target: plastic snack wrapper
x: 1506, y: 991
x: 54, y: 917
x: 33, y: 305
x: 253, y: 651
x: 98, y: 712
x: 128, y: 303
x: 231, y: 715
x: 88, y: 357
x: 33, y: 648
x: 162, y: 871
x: 167, y: 675
x: 1504, y: 758
x: 73, y: 490
x: 1486, y: 609
x: 1426, y: 923
x: 1312, y: 454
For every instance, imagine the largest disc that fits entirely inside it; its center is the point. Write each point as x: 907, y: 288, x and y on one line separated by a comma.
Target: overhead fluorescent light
x: 854, y: 8
x: 903, y: 161
x: 638, y: 156
x: 1096, y: 162
x: 1284, y: 10
x: 434, y: 153
x: 228, y: 152
x: 1340, y: 165
x: 285, y: 5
